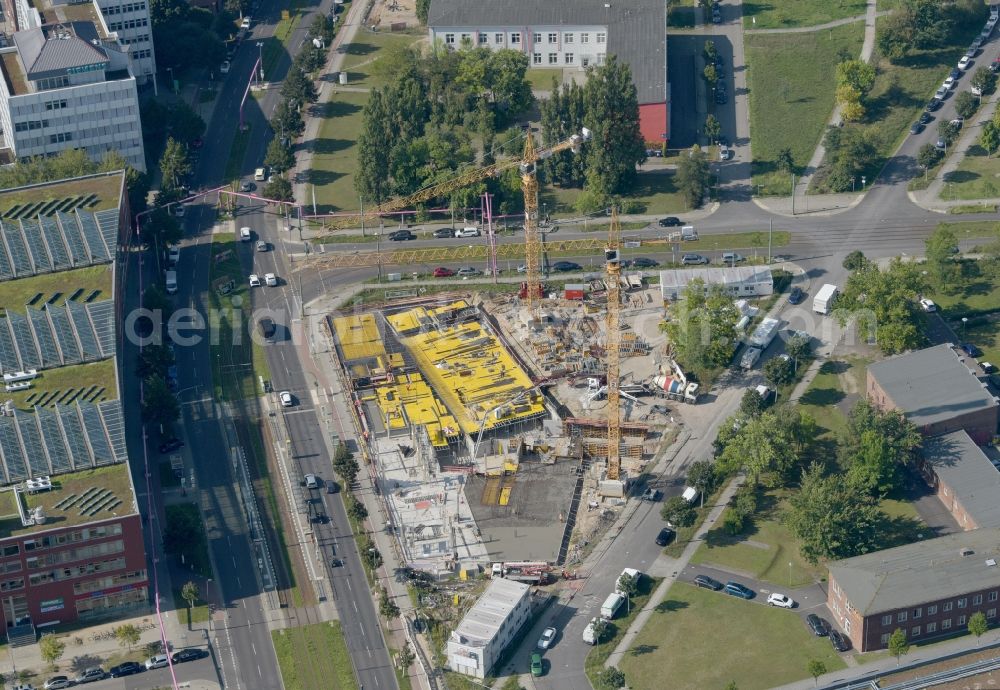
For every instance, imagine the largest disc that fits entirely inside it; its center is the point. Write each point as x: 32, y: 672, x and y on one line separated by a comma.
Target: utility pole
x: 770, y: 230
x: 793, y: 194
x: 361, y: 199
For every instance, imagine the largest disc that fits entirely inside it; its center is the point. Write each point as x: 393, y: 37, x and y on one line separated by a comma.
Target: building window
x: 601, y: 36
x: 483, y: 38
x: 887, y: 620
x: 992, y: 596
x: 553, y: 38
x: 466, y: 39
x: 600, y: 58
x: 536, y: 59
x: 931, y: 628
x: 932, y: 609
x: 885, y: 638
x: 915, y: 631
x: 901, y: 616
x: 977, y: 600
x: 961, y: 621
x: 568, y: 57
x: 537, y: 38
x: 917, y: 613
x: 992, y: 613
x: 449, y: 39
x: 553, y: 58
x: 946, y: 624
x: 962, y: 602
x: 498, y: 39
x: 567, y: 38
x: 515, y: 37
x: 947, y: 607
x: 584, y: 37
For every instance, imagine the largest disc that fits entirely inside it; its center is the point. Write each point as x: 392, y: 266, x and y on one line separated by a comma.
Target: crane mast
x: 613, y: 349
x: 532, y: 245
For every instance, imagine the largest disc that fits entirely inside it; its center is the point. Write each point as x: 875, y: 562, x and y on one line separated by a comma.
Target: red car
x: 442, y: 272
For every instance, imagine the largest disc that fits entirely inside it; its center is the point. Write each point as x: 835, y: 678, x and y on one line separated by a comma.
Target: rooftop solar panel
x: 56, y: 243
x: 96, y: 434
x: 65, y: 335
x: 6, y: 268
x: 102, y: 315
x: 18, y: 250
x: 75, y: 437
x: 36, y: 245
x: 108, y: 222
x: 8, y: 351
x: 114, y: 422
x: 90, y: 349
x: 24, y: 340
x: 10, y: 448
x: 44, y: 338
x: 31, y: 441
x: 52, y: 437
x: 93, y: 237
x: 74, y: 238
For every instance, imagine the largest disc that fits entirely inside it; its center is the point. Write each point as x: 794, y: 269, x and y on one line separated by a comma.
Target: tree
x: 279, y: 156
x: 190, y: 593
x: 600, y: 627
x: 751, y: 404
x: 563, y: 115
x: 611, y: 679
x: 830, y: 518
x: 984, y: 79
x: 928, y: 156
x: 356, y: 509
x: 372, y: 177
x: 422, y: 7
x: 990, y: 138
x: 710, y: 75
x: 712, y: 127
x: 778, y: 371
x: 693, y: 177
x: 966, y: 104
x: 764, y: 448
x: 51, y: 649
x: 185, y: 124
x: 159, y: 406
x: 386, y: 606
x: 854, y: 260
x: 785, y: 161
x: 347, y: 467
x: 279, y: 189
x: 816, y: 669
x: 612, y: 114
x: 702, y: 329
x: 703, y: 476
x: 628, y: 585
x: 127, y: 635
x: 947, y: 131
x: 510, y: 89
x: 978, y: 625
x: 286, y: 120
x: 174, y: 164
x: 944, y: 272
x: 406, y: 656
x: 849, y: 99
x: 154, y: 360
x: 731, y: 685
x: 886, y: 297
x: 710, y: 51
x: 798, y: 348
x: 857, y: 74
x: 898, y: 644
x: 156, y: 300
x: 678, y: 512
x: 298, y: 87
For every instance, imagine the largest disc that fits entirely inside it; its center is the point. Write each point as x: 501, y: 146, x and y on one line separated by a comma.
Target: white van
x: 467, y: 232
x: 260, y: 174
x: 631, y: 572
x: 689, y: 233
x: 588, y: 632
x: 171, y: 282
x: 690, y: 494
x: 611, y: 605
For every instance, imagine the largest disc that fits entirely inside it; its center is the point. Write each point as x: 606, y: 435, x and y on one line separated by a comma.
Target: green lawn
x: 541, y: 78
x: 680, y: 15
x: 196, y: 614
x: 14, y: 294
x: 335, y: 152
x: 782, y: 14
x: 836, y: 378
x: 74, y: 378
x: 106, y: 187
x: 763, y: 646
x: 361, y: 55
x: 314, y: 656
x: 618, y: 627
x: 977, y: 177
x: 654, y: 191
x: 791, y: 82
x: 986, y: 336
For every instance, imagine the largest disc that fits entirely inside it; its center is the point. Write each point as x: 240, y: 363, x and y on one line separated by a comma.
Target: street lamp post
x: 260, y: 57
x: 965, y: 320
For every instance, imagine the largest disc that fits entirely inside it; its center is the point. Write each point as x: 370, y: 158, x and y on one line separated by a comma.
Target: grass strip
x: 314, y: 656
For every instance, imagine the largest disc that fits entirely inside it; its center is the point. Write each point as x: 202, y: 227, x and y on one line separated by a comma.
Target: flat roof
x: 931, y: 385
x: 637, y: 30
x: 76, y: 498
x: 101, y: 191
x: 921, y: 572
x: 974, y: 481
x: 481, y: 624
x: 13, y: 73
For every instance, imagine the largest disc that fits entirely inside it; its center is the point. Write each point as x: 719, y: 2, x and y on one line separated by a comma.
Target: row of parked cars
x: 129, y: 668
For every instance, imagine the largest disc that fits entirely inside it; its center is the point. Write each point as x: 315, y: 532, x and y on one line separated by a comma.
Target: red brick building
x: 963, y: 478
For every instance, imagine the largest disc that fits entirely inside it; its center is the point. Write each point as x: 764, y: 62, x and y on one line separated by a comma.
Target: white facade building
x: 489, y: 626
x: 546, y: 46
x: 64, y: 87
x: 740, y: 281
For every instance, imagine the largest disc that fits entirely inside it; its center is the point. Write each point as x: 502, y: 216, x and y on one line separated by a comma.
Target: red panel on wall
x: 653, y: 122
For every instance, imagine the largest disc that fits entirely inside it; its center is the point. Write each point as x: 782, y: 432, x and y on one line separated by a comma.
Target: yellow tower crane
x: 612, y: 259
x: 528, y: 164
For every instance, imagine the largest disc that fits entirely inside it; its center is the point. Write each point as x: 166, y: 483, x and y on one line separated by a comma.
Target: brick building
x: 927, y: 588
x: 964, y: 479
x: 936, y: 391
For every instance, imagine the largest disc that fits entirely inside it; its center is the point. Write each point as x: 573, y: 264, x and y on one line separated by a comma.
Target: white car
x: 928, y: 305
x: 976, y: 91
x: 254, y: 280
x: 173, y: 254
x: 224, y: 67
x: 547, y: 638
x: 270, y: 280
x: 781, y: 600
x: 244, y: 234
x: 958, y: 122
x: 262, y: 246
x: 725, y: 153
x: 949, y: 83
x: 467, y: 232
x: 158, y: 661
x: 245, y: 24
x: 964, y: 63
x: 286, y: 399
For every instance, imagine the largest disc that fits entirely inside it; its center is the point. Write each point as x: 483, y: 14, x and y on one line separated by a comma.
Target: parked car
x: 467, y: 232
x: 262, y: 246
x: 664, y: 537
x: 966, y: 61
x: 90, y: 675
x: 706, y: 582
x: 933, y: 104
x: 987, y: 367
x: 565, y: 266
x: 547, y: 638
x: 925, y: 117
x: 248, y: 187
x: 443, y: 272
x: 331, y: 486
x: 651, y: 495
x: 286, y: 399
x: 941, y: 144
x: 270, y: 280
x: 254, y: 280
x: 721, y: 98
x: 401, y: 235
x: 129, y: 668
x: 839, y: 641
x: 971, y: 350
x: 224, y: 67
x: 245, y: 234
x: 170, y: 445
x: 642, y: 262
x: 693, y: 260
x: 819, y: 627
x: 732, y: 258
x: 189, y: 654
x: 467, y: 271
x: 536, y: 664
x: 670, y: 222
x: 941, y: 93
x: 796, y: 296
x: 957, y: 121
x: 725, y: 153
x: 955, y: 73
x: 245, y: 24
x: 174, y: 254
x: 442, y: 233
x: 780, y: 600
x: 58, y: 683
x: 928, y: 305
x: 156, y: 661
x: 916, y: 128
x: 995, y: 65
x: 737, y: 590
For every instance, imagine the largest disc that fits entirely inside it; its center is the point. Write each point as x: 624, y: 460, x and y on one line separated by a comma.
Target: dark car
x: 331, y: 486
x: 819, y: 626
x: 670, y: 222
x: 401, y: 235
x: 564, y: 266
x: 642, y: 262
x: 933, y: 105
x: 267, y: 328
x: 796, y: 296
x: 925, y: 117
x: 171, y: 445
x: 129, y: 668
x: 916, y: 128
x: 971, y: 350
x: 443, y: 233
x: 652, y: 495
x: 188, y: 655
x: 721, y: 98
x: 839, y: 642
x: 707, y: 582
x: 664, y: 537
x: 737, y: 590
x: 956, y: 73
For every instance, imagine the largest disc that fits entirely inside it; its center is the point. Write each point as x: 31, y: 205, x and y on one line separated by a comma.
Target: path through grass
x: 783, y: 14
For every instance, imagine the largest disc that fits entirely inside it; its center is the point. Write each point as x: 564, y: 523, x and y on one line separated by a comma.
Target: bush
x: 734, y: 523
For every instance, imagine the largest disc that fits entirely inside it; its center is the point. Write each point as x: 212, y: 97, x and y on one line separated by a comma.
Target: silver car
x: 693, y: 259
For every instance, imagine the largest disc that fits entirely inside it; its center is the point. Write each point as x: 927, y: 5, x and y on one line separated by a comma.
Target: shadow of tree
x: 329, y: 146
x: 83, y: 662
x: 671, y: 605
x: 323, y: 177
x: 962, y: 176
x: 337, y: 109
x: 641, y: 649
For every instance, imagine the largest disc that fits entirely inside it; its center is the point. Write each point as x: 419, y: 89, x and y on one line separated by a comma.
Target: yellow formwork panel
x: 410, y: 399
x: 410, y: 320
x: 474, y: 375
x: 505, y: 495
x: 358, y: 336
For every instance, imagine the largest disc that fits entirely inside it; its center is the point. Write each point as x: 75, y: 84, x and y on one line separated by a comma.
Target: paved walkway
x: 820, y: 27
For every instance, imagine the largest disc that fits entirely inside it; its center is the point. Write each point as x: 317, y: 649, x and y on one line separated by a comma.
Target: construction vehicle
x: 528, y: 165
x: 530, y: 572
x: 676, y: 386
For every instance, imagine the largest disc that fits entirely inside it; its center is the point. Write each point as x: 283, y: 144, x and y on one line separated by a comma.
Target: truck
x: 688, y: 233
x: 764, y: 334
x: 530, y: 572
x: 825, y: 298
x: 675, y: 385
x: 750, y: 358
x: 170, y: 282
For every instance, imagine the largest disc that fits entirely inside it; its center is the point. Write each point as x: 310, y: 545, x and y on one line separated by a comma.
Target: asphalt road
x: 201, y: 669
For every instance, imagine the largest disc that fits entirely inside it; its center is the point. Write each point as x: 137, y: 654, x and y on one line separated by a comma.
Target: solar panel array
x: 37, y: 243
x: 57, y: 336
x: 73, y: 437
